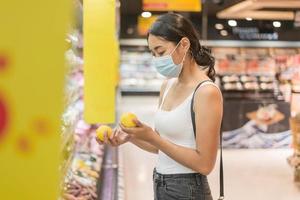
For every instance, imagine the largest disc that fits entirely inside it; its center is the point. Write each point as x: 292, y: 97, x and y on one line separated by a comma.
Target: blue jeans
x: 193, y: 186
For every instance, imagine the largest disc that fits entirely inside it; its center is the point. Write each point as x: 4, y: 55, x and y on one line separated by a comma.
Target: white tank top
x: 175, y: 126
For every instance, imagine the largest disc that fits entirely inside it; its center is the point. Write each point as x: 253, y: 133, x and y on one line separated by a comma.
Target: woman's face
x: 161, y: 47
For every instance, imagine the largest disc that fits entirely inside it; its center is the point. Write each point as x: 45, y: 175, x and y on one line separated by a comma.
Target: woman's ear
x: 185, y: 43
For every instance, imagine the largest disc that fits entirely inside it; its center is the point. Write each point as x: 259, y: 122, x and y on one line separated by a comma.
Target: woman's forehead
x: 155, y: 41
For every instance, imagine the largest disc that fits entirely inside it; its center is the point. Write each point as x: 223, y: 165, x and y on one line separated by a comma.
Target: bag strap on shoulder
x: 221, y: 145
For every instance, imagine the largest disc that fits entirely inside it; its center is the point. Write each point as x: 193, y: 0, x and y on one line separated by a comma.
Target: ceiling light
x: 232, y: 23
x: 277, y: 24
x: 146, y: 14
x: 223, y: 32
x: 219, y: 26
x: 249, y: 19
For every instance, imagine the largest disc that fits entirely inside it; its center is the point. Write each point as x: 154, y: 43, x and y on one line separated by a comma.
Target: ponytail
x: 204, y: 58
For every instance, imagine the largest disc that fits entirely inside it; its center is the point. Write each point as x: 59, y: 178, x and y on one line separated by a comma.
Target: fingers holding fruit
x: 113, y: 139
x: 116, y: 137
x: 99, y: 141
x: 128, y: 123
x: 129, y: 131
x: 119, y: 137
x: 128, y: 120
x: 132, y: 126
x: 103, y: 133
x: 106, y: 137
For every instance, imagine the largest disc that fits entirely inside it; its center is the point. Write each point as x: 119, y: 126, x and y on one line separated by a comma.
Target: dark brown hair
x: 173, y: 27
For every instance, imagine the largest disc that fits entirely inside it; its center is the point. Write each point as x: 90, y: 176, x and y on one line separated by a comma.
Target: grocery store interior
x: 99, y: 59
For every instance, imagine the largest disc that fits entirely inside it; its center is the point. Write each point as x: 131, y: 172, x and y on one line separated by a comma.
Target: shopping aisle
x: 249, y: 174
x: 138, y: 164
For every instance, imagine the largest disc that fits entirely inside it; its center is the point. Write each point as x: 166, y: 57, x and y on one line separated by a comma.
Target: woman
x: 184, y: 158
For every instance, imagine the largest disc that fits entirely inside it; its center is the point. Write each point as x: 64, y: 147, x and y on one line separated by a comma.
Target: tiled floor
x: 249, y: 174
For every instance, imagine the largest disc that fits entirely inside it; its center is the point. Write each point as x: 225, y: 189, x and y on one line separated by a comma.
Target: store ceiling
x: 262, y: 10
x: 234, y: 9
x: 279, y: 26
x: 134, y: 7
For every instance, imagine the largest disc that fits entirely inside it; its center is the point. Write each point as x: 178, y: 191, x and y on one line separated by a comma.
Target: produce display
x: 266, y: 79
x: 247, y: 82
x: 289, y: 67
x: 82, y: 178
x: 244, y: 61
x: 82, y: 155
x: 239, y: 69
x: 251, y: 82
x: 233, y: 86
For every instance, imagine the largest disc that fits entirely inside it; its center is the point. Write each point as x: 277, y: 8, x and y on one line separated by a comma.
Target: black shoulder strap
x: 221, y: 146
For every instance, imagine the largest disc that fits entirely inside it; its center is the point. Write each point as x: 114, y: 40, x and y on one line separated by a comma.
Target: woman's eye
x: 161, y: 53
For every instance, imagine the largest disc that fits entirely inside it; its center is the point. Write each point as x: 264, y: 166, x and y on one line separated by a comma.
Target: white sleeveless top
x: 176, y: 126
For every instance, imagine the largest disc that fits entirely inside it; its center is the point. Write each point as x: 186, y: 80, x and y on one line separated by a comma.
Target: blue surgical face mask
x: 166, y: 66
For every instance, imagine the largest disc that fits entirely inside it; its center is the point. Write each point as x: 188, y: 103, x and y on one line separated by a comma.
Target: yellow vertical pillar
x: 32, y: 45
x: 99, y: 60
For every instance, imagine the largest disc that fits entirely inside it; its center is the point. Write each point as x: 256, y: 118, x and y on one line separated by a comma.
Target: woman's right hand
x: 117, y: 138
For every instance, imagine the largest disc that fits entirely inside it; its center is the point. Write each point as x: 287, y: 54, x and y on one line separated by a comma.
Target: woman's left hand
x: 141, y: 131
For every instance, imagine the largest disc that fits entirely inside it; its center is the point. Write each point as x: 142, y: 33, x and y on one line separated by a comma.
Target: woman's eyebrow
x: 157, y: 47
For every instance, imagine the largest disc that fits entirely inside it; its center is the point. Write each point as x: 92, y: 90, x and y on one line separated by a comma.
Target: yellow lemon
x: 101, y: 130
x: 127, y: 120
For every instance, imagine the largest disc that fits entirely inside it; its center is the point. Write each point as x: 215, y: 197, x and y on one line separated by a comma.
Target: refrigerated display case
x: 85, y: 163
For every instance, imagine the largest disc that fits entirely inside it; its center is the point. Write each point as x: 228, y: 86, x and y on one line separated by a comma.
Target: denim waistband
x: 165, y: 177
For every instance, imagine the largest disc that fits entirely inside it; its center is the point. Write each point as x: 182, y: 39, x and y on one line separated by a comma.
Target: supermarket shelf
x: 222, y: 43
x: 139, y: 91
x: 247, y: 91
x: 67, y: 137
x: 67, y: 164
x: 246, y: 73
x: 295, y: 91
x: 133, y: 42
